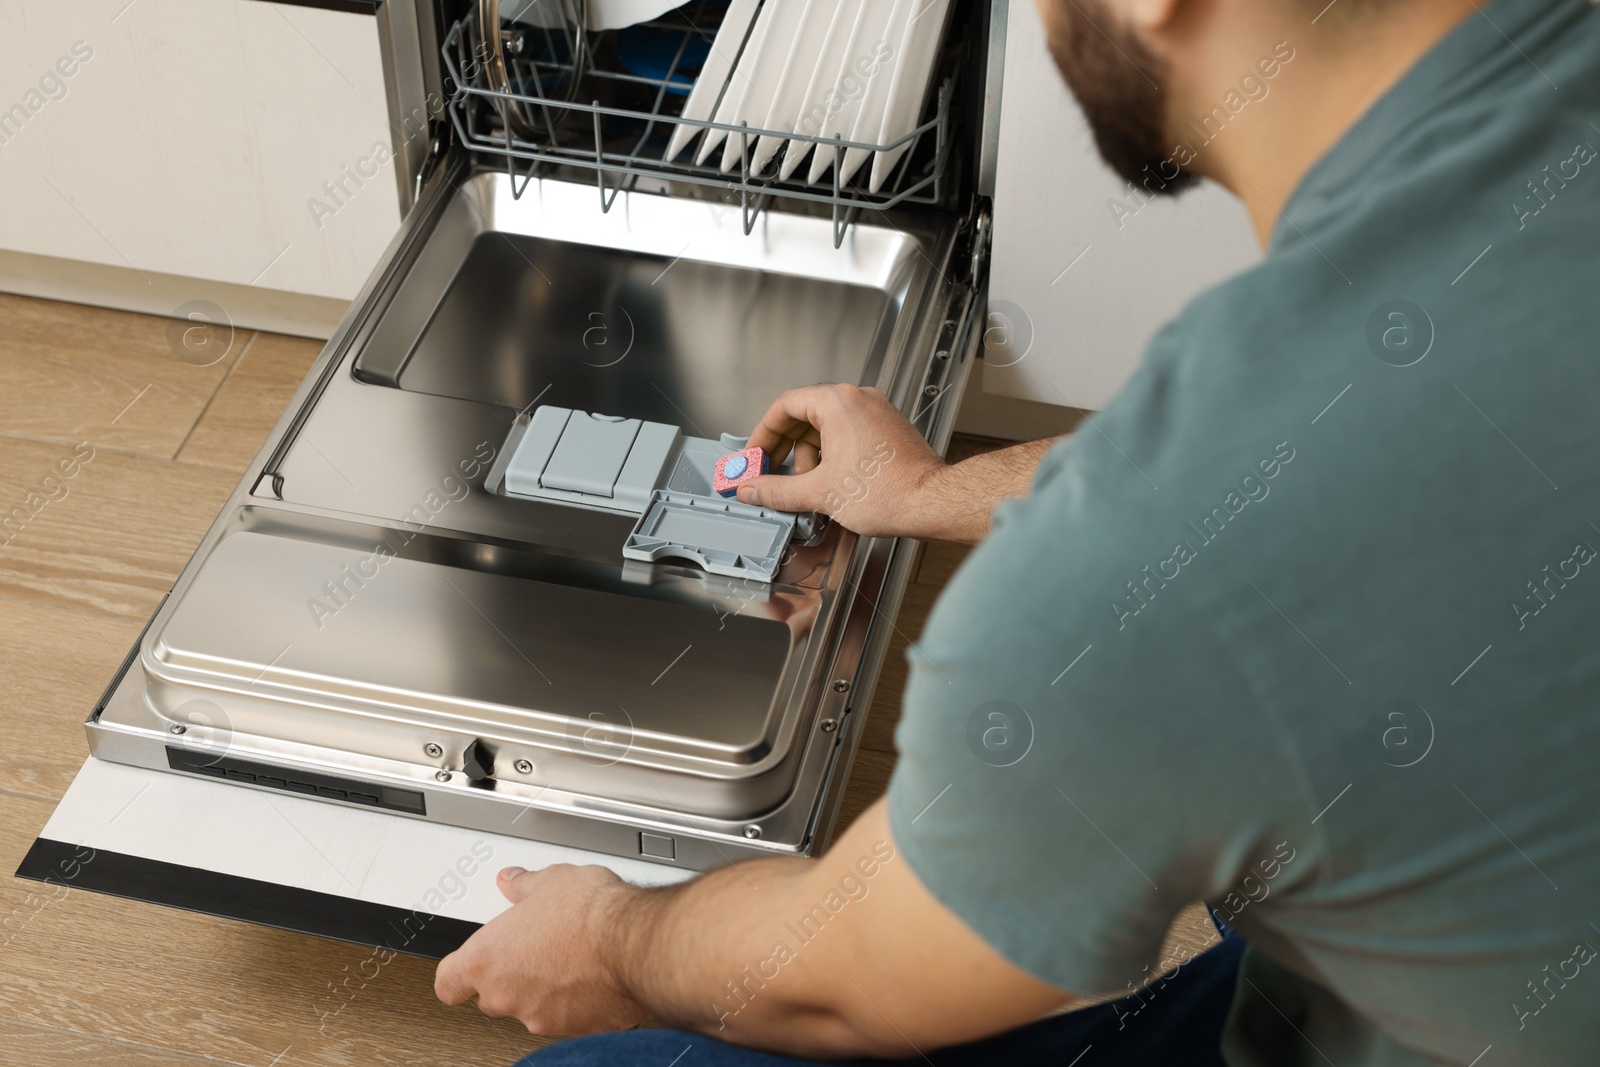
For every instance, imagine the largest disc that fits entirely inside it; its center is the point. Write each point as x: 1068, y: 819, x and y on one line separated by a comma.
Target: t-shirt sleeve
x: 1070, y: 777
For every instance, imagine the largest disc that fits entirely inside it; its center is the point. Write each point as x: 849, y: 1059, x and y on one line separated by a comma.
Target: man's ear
x: 1148, y: 16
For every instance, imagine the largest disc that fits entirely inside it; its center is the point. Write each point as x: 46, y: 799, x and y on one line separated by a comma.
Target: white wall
x: 1074, y: 298
x: 191, y: 139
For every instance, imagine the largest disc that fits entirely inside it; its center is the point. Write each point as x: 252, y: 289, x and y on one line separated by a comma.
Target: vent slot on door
x: 326, y: 786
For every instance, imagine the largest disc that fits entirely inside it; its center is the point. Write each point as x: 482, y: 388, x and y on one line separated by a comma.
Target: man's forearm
x: 845, y: 955
x: 956, y: 502
x: 700, y: 956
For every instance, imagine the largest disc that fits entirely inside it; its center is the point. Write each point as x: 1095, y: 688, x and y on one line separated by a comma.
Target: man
x: 1308, y: 628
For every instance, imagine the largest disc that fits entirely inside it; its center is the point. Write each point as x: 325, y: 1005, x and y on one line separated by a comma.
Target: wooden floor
x: 87, y: 978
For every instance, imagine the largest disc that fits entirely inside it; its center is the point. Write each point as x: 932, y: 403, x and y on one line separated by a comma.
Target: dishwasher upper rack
x: 486, y: 119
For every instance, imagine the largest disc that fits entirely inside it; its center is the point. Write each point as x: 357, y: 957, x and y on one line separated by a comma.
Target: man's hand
x: 844, y: 955
x: 544, y: 962
x: 856, y: 458
x: 859, y: 460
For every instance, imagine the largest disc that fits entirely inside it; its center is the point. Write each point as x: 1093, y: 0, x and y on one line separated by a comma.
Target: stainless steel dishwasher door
x: 364, y: 609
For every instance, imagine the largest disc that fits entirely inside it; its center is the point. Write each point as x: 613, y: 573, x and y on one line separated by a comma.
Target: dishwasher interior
x: 403, y: 606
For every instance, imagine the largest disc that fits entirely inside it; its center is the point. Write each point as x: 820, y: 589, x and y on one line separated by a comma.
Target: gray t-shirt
x: 1308, y: 625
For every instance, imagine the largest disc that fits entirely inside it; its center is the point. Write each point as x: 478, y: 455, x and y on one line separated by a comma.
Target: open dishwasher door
x: 379, y: 662
x: 475, y: 602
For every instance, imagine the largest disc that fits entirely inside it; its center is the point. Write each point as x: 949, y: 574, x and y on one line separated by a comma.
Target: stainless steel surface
x: 362, y: 598
x: 993, y: 96
x: 405, y: 86
x: 688, y: 342
x: 589, y: 331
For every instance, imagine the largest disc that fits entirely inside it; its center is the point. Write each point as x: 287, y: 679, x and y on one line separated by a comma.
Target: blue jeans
x: 1180, y: 1024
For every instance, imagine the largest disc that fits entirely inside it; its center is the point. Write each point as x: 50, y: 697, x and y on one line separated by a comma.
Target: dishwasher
x: 476, y: 594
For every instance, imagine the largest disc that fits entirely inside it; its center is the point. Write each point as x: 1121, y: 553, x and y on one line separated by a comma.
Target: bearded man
x: 1307, y: 627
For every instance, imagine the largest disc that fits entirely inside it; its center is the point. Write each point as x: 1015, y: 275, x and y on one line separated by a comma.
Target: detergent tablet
x: 736, y: 468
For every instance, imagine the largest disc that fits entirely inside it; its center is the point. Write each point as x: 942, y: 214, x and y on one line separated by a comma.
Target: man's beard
x: 1119, y: 84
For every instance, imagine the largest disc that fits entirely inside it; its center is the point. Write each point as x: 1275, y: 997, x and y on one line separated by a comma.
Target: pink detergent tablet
x: 735, y: 469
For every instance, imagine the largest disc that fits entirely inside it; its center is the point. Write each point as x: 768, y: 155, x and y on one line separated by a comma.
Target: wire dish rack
x: 517, y: 94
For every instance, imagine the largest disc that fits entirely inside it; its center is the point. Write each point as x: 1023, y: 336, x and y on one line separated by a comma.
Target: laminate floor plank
x: 31, y: 1045
x: 70, y: 373
x: 251, y: 401
x: 111, y: 538
x: 55, y: 662
x: 125, y: 971
x: 939, y: 562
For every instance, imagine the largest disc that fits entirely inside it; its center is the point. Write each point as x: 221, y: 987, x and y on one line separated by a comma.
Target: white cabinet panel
x: 196, y: 137
x: 1076, y: 290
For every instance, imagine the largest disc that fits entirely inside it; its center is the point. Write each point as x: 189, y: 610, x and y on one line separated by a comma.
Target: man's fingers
x: 777, y: 447
x: 450, y: 983
x: 786, y: 492
x: 806, y: 457
x: 514, y: 883
x: 790, y: 416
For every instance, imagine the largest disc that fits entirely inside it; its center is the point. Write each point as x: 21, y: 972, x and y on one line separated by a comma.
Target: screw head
x: 829, y: 725
x: 178, y: 728
x: 433, y: 750
x: 752, y: 831
x: 523, y: 766
x: 841, y: 685
x: 932, y: 390
x: 443, y: 776
x: 942, y: 354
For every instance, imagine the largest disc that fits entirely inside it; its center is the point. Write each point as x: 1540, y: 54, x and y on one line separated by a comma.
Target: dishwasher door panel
x: 367, y: 619
x: 625, y: 689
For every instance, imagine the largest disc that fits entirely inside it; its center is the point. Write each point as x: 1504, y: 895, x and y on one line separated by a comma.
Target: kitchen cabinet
x: 255, y: 154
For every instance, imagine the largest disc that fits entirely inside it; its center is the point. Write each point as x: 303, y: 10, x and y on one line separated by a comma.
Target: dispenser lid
x: 723, y: 536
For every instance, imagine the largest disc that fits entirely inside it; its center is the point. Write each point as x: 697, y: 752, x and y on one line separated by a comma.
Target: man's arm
x: 859, y: 460
x: 846, y: 955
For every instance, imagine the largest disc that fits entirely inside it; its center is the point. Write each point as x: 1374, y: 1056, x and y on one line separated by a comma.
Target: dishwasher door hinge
x: 978, y: 260
x: 438, y: 141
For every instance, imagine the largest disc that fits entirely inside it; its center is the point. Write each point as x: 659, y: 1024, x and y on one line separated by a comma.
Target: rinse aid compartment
x: 377, y: 606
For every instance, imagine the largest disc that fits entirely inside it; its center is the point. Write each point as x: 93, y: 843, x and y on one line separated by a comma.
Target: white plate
x: 738, y: 82
x: 603, y: 14
x: 816, y: 24
x: 861, y: 54
x: 918, y: 52
x: 764, y: 71
x: 869, y: 120
x: 811, y: 118
x: 707, y: 90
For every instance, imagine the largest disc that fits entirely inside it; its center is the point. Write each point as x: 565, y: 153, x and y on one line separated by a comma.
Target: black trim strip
x: 230, y: 896
x: 327, y: 786
x: 353, y: 7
